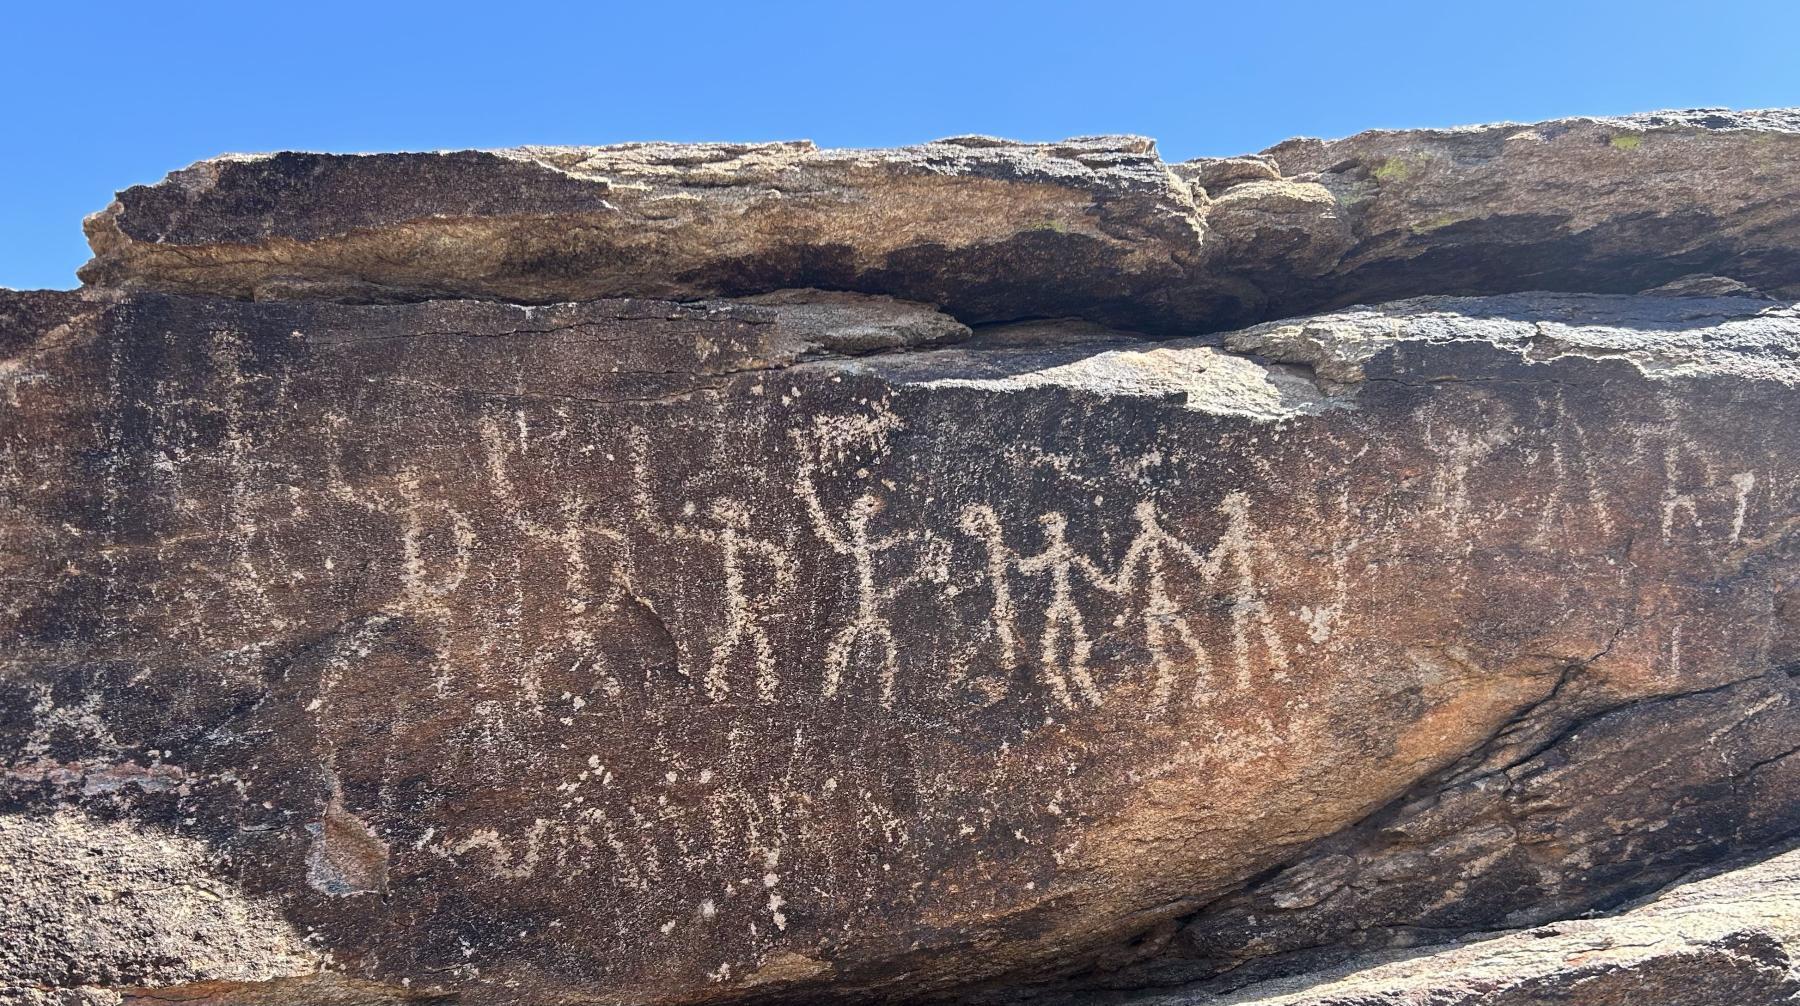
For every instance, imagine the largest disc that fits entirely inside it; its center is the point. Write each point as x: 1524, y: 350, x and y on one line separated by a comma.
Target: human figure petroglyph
x: 1059, y: 561
x: 1234, y: 563
x: 1242, y: 552
x: 421, y: 590
x: 1163, y: 621
x: 1743, y: 484
x: 1062, y: 617
x: 1339, y: 536
x: 1677, y: 501
x: 588, y: 597
x: 745, y: 627
x: 1571, y: 456
x: 979, y: 521
x: 1703, y: 500
x: 870, y: 624
x: 744, y: 620
x: 572, y: 535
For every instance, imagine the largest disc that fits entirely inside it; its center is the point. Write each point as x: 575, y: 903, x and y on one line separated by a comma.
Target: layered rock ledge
x: 422, y: 584
x: 989, y: 229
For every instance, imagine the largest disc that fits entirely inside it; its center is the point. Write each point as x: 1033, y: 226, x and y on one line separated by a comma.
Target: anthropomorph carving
x: 1163, y: 621
x: 869, y: 626
x: 745, y: 630
x: 1146, y: 572
x: 574, y: 537
x: 1064, y: 647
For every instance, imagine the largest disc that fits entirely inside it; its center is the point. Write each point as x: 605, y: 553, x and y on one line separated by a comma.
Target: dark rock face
x: 629, y: 645
x: 640, y: 646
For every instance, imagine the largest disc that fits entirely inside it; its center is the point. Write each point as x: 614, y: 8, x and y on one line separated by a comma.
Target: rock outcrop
x: 683, y: 574
x: 989, y: 229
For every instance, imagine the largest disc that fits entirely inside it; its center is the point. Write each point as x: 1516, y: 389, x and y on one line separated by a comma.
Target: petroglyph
x: 568, y: 538
x: 1243, y: 553
x: 416, y: 507
x: 1572, y: 462
x: 1676, y: 503
x: 745, y: 632
x: 1065, y: 642
x: 980, y: 521
x: 577, y: 535
x: 502, y: 859
x: 1233, y: 567
x: 1745, y: 484
x: 868, y: 629
x: 1167, y: 631
x: 1459, y: 451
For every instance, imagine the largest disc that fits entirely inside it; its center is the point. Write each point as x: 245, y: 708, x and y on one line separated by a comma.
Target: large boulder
x: 979, y: 571
x: 635, y: 651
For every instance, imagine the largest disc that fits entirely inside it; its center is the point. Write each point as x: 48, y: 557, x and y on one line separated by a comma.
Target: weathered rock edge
x: 417, y: 643
x: 1729, y: 939
x: 990, y: 229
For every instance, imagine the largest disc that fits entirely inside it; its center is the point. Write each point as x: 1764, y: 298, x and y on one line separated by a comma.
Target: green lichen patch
x: 1393, y: 170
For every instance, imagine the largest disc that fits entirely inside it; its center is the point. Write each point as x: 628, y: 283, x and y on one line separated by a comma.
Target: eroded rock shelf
x: 992, y: 230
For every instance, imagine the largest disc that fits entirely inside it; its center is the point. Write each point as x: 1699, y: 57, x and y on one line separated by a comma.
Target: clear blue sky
x: 102, y: 95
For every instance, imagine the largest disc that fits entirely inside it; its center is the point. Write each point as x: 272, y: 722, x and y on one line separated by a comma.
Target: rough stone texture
x: 633, y: 651
x: 990, y: 229
x: 87, y: 906
x: 1730, y: 940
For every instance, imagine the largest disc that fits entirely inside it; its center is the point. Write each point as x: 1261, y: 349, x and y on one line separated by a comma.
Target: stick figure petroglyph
x: 589, y: 595
x: 1061, y: 563
x: 1062, y: 617
x: 1231, y: 567
x: 408, y: 501
x: 980, y: 521
x: 1243, y: 554
x: 869, y: 625
x: 1571, y: 458
x: 1237, y: 556
x: 745, y: 618
x: 571, y: 536
x: 1163, y: 620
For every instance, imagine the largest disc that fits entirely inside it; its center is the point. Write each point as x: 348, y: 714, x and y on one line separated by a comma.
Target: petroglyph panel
x: 624, y: 643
